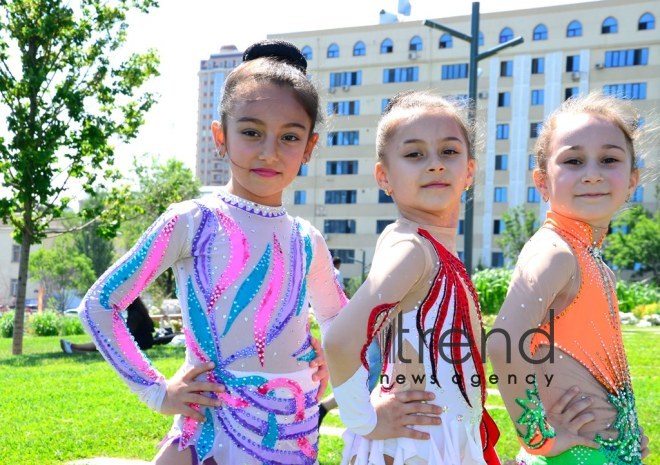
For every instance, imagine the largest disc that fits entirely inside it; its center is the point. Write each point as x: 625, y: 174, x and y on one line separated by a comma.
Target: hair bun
x: 278, y: 49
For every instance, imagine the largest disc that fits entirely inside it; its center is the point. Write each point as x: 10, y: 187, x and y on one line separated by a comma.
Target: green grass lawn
x: 56, y: 408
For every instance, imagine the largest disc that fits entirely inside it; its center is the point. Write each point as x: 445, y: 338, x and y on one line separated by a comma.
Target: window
x: 345, y: 255
x: 538, y: 65
x: 383, y: 104
x: 340, y: 196
x: 502, y: 131
x: 346, y: 78
x: 631, y: 90
x: 15, y: 253
x: 500, y: 195
x: 531, y: 161
x: 501, y: 162
x: 609, y: 26
x: 504, y: 99
x: 540, y: 32
x: 415, y: 44
x: 535, y: 129
x: 571, y: 92
x: 574, y: 29
x: 387, y: 46
x: 638, y: 195
x: 13, y: 287
x: 339, y: 226
x: 333, y: 51
x: 461, y: 255
x: 463, y: 196
x: 461, y: 227
x: 344, y: 108
x: 341, y: 167
x: 533, y: 196
x: 303, y: 170
x: 646, y: 22
x: 458, y: 71
x: 359, y: 49
x: 497, y: 259
x: 481, y: 38
x: 384, y: 198
x: 307, y: 52
x: 630, y: 57
x: 498, y: 226
x: 446, y: 41
x: 408, y: 74
x: 506, y: 34
x: 572, y: 63
x: 300, y: 197
x: 344, y: 138
x: 382, y: 224
x: 506, y: 68
x: 537, y: 97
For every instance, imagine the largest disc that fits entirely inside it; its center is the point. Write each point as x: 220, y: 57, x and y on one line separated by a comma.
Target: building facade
x: 210, y: 169
x: 611, y: 45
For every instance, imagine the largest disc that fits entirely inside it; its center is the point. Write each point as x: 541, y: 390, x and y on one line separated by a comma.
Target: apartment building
x: 211, y: 170
x: 611, y: 45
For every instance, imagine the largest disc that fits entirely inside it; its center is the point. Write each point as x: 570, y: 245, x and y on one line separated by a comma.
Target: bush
x: 644, y: 310
x: 491, y: 285
x: 45, y: 324
x: 634, y: 294
x: 70, y: 326
x: 7, y: 324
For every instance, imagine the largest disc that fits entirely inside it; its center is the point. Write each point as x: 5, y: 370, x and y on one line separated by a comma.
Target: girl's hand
x: 397, y: 412
x: 645, y: 443
x: 183, y: 390
x: 322, y: 375
x: 567, y: 421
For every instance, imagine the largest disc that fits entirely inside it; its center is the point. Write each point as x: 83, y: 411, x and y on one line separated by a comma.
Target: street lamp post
x: 475, y: 57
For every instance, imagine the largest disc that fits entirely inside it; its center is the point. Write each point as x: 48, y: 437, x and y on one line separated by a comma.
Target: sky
x: 185, y: 35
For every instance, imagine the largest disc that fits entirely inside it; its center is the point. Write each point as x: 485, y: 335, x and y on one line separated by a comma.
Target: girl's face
x: 589, y: 174
x: 267, y: 138
x: 426, y: 167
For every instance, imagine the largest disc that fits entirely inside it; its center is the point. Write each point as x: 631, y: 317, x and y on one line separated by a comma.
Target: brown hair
x: 614, y: 110
x: 274, y: 62
x: 412, y: 101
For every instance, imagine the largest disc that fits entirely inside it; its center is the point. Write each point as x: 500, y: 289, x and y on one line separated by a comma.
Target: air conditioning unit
x: 346, y: 88
x: 575, y: 76
x: 332, y: 90
x: 320, y: 210
x: 412, y: 55
x: 599, y: 66
x: 483, y: 95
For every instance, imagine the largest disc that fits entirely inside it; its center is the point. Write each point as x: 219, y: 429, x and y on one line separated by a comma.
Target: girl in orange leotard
x: 587, y: 169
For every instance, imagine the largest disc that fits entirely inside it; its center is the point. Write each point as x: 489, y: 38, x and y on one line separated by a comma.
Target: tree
x: 66, y: 99
x: 159, y: 186
x: 62, y: 271
x: 519, y: 226
x: 636, y: 241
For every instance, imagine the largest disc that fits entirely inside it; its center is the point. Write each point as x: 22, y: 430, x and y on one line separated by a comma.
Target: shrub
x: 7, y: 324
x: 634, y: 294
x: 646, y: 309
x: 491, y: 285
x: 44, y: 324
x: 70, y: 326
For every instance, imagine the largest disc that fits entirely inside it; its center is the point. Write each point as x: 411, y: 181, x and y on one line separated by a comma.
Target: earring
x: 220, y: 153
x: 467, y: 188
x: 628, y: 199
x: 388, y: 192
x: 545, y: 198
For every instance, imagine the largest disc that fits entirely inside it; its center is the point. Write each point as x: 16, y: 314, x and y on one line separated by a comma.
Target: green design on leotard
x: 533, y: 416
x: 625, y: 449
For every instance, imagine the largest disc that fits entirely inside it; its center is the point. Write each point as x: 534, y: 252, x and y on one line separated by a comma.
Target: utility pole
x: 475, y: 57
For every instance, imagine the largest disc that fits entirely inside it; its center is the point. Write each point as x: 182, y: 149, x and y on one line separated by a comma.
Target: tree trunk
x: 19, y: 316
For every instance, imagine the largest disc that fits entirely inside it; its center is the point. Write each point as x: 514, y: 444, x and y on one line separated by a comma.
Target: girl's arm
x: 397, y: 267
x: 540, y: 276
x: 166, y: 240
